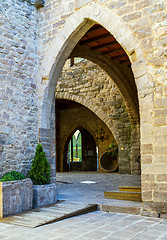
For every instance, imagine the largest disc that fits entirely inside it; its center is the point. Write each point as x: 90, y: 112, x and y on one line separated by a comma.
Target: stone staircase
x: 127, y: 193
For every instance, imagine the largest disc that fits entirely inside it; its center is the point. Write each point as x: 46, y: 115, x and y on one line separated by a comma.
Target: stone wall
x: 18, y: 77
x: 86, y: 82
x: 140, y: 28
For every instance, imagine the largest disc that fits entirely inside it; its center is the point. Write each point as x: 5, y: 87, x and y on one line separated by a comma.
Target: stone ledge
x: 36, y: 3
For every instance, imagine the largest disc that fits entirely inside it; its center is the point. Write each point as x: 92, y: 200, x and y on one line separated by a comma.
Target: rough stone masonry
x: 34, y: 45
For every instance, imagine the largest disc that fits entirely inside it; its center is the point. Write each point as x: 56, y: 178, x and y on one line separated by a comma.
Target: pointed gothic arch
x: 67, y: 38
x: 65, y: 41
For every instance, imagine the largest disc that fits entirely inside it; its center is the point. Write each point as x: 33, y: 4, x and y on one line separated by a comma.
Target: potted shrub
x: 16, y: 193
x: 44, y: 192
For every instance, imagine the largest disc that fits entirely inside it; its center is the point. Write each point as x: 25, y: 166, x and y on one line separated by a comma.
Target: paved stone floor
x: 70, y: 186
x: 95, y: 225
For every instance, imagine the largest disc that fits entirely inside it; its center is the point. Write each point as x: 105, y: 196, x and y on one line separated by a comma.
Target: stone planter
x: 15, y: 197
x: 44, y: 195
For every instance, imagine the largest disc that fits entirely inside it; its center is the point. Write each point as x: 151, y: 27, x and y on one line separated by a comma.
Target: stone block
x: 148, y: 178
x: 146, y: 159
x: 161, y: 150
x: 44, y: 195
x: 81, y: 3
x: 132, y: 16
x: 15, y: 197
x: 160, y: 121
x: 161, y: 177
x: 161, y: 102
x: 154, y: 208
x: 147, y: 149
x: 147, y: 195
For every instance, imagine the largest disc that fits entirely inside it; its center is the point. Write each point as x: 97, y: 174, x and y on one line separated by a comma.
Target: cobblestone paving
x: 96, y: 225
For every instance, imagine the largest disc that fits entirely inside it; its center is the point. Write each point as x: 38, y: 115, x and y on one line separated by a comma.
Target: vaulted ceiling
x: 97, y: 38
x: 100, y: 47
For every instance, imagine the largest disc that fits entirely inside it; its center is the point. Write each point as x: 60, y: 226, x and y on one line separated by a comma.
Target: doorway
x: 80, y: 152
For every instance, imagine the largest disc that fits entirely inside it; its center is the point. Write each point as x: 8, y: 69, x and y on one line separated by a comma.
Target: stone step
x: 49, y: 214
x: 127, y: 196
x: 135, y: 210
x: 129, y: 189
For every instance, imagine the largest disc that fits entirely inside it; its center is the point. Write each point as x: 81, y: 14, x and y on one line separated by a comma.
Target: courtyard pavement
x: 76, y: 187
x: 95, y: 225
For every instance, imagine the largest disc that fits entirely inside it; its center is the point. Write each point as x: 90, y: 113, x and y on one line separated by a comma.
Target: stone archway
x: 125, y: 160
x: 73, y: 114
x: 89, y: 161
x: 65, y: 41
x: 69, y: 36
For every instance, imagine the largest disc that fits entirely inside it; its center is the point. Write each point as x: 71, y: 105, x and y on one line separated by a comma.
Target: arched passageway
x: 95, y: 138
x: 117, y: 67
x: 80, y: 152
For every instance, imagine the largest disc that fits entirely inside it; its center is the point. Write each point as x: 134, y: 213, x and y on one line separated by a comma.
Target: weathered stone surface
x: 37, y: 3
x: 33, y: 40
x: 44, y: 195
x: 99, y: 93
x: 16, y: 197
x: 18, y: 100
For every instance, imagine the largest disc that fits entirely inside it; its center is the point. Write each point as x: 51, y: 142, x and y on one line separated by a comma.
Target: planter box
x: 15, y: 197
x: 44, y: 195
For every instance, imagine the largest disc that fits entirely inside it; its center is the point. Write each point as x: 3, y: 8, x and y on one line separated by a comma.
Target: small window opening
x: 75, y: 147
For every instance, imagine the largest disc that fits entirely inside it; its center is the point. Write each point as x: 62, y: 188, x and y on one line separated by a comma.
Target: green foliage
x: 12, y: 176
x: 113, y: 149
x: 40, y: 168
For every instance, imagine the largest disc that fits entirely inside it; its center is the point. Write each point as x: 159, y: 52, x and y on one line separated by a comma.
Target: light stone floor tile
x: 124, y: 234
x: 160, y: 227
x: 96, y: 234
x: 163, y: 237
x: 92, y: 226
x: 111, y: 238
x: 3, y: 237
x: 109, y: 228
x: 145, y: 237
x: 135, y: 228
x: 152, y: 232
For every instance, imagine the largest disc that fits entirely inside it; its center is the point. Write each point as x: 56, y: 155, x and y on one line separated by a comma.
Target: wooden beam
x: 94, y: 29
x: 94, y: 39
x: 127, y: 61
x: 112, y: 51
x: 71, y: 61
x: 104, y: 45
x: 116, y: 57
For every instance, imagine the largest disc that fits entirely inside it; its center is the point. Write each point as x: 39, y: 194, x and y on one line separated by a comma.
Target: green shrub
x: 12, y: 176
x: 113, y: 149
x: 40, y: 168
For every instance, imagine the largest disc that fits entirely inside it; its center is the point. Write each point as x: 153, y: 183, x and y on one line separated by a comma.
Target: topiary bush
x: 12, y: 176
x: 40, y: 168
